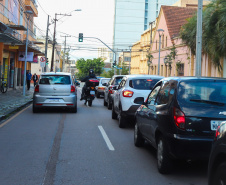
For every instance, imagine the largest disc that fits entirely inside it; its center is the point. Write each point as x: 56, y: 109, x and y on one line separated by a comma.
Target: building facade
x: 170, y: 19
x: 16, y: 17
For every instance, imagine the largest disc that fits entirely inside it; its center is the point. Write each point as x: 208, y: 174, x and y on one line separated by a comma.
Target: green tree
x: 214, y: 32
x: 84, y: 66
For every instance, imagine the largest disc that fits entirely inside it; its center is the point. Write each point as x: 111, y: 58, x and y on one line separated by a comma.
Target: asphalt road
x: 86, y: 148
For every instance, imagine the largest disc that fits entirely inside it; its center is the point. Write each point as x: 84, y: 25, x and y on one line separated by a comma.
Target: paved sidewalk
x: 12, y: 100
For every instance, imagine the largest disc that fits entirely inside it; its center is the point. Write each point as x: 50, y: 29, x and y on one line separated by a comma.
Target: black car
x: 180, y: 117
x: 217, y: 162
x: 109, y: 90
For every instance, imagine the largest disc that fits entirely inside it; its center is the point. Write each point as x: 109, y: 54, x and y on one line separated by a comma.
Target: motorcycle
x: 90, y: 91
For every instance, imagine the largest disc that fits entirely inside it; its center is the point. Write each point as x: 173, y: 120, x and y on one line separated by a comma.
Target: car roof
x: 144, y: 76
x: 189, y: 78
x: 56, y: 73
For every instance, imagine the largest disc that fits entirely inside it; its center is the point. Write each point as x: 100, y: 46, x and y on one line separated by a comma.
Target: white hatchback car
x: 131, y: 87
x: 101, y: 87
x: 55, y: 89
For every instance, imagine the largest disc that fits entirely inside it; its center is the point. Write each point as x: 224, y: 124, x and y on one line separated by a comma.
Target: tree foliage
x: 214, y: 32
x: 83, y: 66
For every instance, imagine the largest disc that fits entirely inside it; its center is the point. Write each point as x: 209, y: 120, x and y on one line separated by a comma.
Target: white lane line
x: 106, y: 139
x: 10, y: 119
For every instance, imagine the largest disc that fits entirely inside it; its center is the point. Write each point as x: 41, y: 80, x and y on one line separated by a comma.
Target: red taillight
x: 72, y: 88
x: 217, y: 133
x: 127, y: 93
x: 111, y: 91
x: 179, y: 118
x: 37, y: 88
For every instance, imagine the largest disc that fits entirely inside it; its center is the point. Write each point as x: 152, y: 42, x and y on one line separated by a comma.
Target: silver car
x: 101, y: 87
x: 55, y: 89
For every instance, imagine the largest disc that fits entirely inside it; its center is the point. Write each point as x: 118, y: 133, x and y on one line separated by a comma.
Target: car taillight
x: 37, y: 88
x: 111, y: 91
x: 179, y: 118
x: 72, y: 88
x: 127, y: 93
x: 217, y: 133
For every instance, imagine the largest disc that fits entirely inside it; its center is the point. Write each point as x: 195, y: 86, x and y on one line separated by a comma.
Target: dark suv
x: 217, y: 162
x: 109, y: 90
x: 180, y: 117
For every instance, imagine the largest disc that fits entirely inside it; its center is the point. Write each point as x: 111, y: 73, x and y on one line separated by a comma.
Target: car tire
x: 74, y: 109
x: 113, y: 113
x: 219, y: 175
x: 109, y: 105
x: 90, y: 103
x: 105, y: 103
x: 122, y: 120
x: 98, y: 95
x: 35, y: 109
x: 138, y: 139
x: 164, y: 162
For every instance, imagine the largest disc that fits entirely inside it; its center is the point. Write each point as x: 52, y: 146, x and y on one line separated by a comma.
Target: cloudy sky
x: 94, y: 20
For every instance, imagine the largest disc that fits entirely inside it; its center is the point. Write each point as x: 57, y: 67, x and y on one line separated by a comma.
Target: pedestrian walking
x: 29, y: 75
x: 35, y: 78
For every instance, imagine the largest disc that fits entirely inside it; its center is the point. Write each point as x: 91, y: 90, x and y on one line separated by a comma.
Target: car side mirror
x: 139, y: 100
x: 77, y: 83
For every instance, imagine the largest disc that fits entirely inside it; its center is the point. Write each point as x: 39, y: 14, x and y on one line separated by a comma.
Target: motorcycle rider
x: 91, y: 75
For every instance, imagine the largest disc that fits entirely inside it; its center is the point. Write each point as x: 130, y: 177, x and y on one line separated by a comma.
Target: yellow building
x: 15, y: 15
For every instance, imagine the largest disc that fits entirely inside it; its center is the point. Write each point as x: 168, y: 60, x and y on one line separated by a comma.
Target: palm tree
x: 214, y: 32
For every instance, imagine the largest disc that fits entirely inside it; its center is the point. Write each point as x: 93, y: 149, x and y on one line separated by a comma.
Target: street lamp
x: 160, y: 31
x: 25, y: 62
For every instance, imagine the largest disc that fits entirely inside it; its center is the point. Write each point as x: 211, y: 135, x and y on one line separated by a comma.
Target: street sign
x: 42, y: 59
x: 42, y: 62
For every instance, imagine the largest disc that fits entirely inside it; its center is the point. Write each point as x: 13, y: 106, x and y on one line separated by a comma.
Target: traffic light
x: 80, y: 37
x: 47, y: 61
x: 114, y: 65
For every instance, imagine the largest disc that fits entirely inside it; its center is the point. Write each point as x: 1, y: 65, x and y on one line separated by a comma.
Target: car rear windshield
x: 143, y: 84
x: 55, y: 79
x: 203, y: 92
x: 105, y: 81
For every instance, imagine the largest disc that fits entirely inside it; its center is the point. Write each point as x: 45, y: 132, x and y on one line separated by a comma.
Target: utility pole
x: 46, y: 45
x: 54, y: 37
x: 63, y: 64
x: 199, y: 40
x: 130, y: 47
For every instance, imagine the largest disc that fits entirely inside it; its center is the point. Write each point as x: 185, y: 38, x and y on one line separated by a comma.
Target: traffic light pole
x: 63, y: 64
x: 107, y: 47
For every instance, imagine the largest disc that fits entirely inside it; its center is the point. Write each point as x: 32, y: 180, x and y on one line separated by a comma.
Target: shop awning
x: 17, y: 27
x: 7, y: 38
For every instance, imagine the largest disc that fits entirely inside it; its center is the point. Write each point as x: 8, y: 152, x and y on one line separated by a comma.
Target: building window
x: 166, y: 41
x: 181, y: 70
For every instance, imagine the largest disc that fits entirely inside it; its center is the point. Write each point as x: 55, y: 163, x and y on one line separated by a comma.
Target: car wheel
x: 113, y: 114
x: 105, y: 103
x: 35, y: 109
x: 138, y: 139
x: 164, y: 162
x: 109, y: 105
x: 98, y: 95
x: 122, y: 120
x: 219, y: 175
x: 90, y: 103
x: 74, y: 109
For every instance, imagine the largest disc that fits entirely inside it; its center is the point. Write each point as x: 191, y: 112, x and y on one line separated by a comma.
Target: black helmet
x: 91, y: 71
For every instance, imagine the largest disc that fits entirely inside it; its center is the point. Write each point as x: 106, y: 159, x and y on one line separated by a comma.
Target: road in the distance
x: 57, y: 147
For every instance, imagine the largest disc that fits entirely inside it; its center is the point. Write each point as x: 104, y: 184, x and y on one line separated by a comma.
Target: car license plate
x: 215, y: 123
x: 54, y: 100
x: 92, y: 92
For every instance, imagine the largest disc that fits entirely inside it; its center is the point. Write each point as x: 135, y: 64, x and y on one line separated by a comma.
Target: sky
x: 94, y: 20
